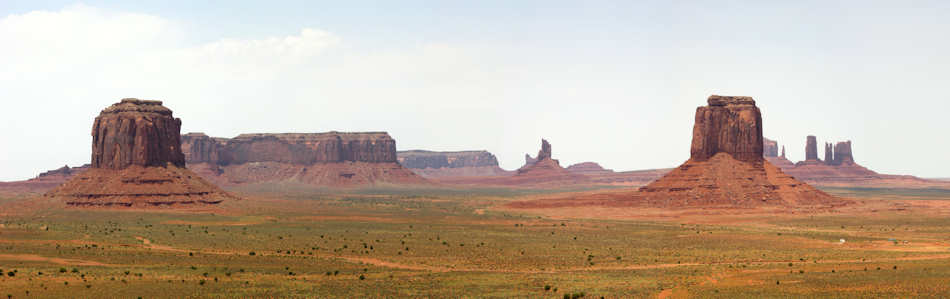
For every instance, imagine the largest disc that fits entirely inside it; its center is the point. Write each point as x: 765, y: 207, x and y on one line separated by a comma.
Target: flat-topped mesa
x: 842, y: 154
x: 421, y: 159
x: 136, y: 132
x: 292, y: 148
x: 731, y: 125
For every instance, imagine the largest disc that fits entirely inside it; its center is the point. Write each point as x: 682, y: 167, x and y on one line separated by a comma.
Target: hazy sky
x: 616, y: 82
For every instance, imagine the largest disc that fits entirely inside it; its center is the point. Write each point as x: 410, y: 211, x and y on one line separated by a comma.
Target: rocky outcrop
x: 770, y: 148
x: 137, y: 160
x: 726, y: 169
x: 136, y: 132
x: 842, y: 154
x: 588, y: 168
x: 332, y: 158
x: 731, y: 125
x: 420, y: 159
x: 431, y: 164
x: 811, y: 148
x: 829, y: 156
x: 199, y: 148
x: 783, y: 151
x: 545, y: 152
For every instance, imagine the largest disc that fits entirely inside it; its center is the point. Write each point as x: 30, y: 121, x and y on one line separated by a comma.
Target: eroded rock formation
x: 842, y: 154
x: 332, y: 158
x: 433, y: 164
x: 137, y: 160
x: 731, y: 125
x: 811, y: 148
x: 714, y: 176
x: 770, y: 148
x: 829, y: 156
x: 136, y: 132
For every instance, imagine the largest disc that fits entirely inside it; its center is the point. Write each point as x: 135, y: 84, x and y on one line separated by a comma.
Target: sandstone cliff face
x: 731, y: 125
x: 199, y: 148
x: 329, y: 159
x: 770, y: 148
x: 136, y: 132
x: 137, y: 160
x: 420, y: 159
x: 292, y: 148
x: 430, y: 164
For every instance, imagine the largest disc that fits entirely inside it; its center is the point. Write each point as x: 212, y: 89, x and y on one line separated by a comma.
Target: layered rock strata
x: 330, y: 159
x: 431, y: 164
x: 137, y: 161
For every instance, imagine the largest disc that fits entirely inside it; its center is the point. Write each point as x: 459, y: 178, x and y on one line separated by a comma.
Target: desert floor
x: 293, y: 241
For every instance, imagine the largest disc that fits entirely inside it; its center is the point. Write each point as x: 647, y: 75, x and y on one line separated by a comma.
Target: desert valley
x: 158, y: 213
x: 474, y: 149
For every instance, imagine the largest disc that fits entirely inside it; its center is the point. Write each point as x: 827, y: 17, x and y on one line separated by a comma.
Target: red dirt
x: 138, y: 186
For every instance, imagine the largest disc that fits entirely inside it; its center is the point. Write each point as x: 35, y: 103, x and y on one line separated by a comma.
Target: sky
x: 615, y: 82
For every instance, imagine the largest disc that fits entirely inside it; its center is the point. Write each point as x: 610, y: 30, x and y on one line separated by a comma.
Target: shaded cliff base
x: 340, y: 174
x: 138, y: 186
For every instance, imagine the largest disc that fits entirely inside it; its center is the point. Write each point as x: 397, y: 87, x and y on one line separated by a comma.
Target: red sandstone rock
x: 136, y: 132
x: 731, y: 125
x: 328, y: 159
x: 842, y: 154
x: 137, y: 160
x: 714, y: 176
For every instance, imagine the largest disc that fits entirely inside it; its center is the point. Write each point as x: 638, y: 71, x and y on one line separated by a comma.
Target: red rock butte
x: 726, y: 168
x: 137, y: 161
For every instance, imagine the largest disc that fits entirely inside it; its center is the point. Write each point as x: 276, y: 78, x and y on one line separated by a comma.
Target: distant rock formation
x: 811, y: 152
x: 431, y: 164
x: 729, y: 125
x: 713, y: 176
x: 770, y: 148
x: 783, y: 151
x: 137, y: 160
x: 44, y: 181
x: 545, y: 152
x: 842, y: 154
x: 588, y: 168
x: 329, y: 159
x: 811, y: 148
x: 840, y: 170
x: 829, y: 156
x: 528, y: 160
